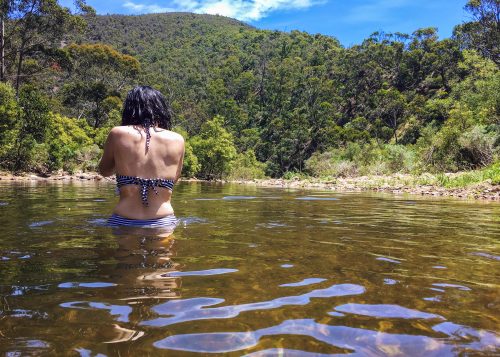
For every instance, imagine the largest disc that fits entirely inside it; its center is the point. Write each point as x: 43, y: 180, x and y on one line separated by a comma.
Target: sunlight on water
x: 249, y: 271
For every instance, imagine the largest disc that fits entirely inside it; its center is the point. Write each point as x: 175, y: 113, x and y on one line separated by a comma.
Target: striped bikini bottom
x: 169, y: 221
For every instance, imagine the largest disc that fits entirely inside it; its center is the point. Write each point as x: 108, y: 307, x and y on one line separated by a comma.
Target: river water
x: 249, y: 271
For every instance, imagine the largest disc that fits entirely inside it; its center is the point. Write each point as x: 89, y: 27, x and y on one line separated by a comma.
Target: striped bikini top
x: 146, y: 185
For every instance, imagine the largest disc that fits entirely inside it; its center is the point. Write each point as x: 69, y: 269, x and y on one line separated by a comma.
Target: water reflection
x: 141, y: 271
x: 362, y: 342
x: 199, y: 308
x: 251, y: 271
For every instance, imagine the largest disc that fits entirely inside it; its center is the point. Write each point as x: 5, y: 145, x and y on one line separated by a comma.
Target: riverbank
x: 427, y: 185
x: 424, y: 185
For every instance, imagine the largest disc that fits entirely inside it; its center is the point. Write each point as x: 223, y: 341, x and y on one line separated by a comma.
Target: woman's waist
x: 130, y: 207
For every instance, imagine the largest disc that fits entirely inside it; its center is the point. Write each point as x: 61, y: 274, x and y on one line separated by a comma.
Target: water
x: 250, y: 271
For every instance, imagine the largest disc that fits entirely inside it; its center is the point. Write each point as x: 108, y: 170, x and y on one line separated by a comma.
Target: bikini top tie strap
x: 147, y: 125
x: 146, y: 185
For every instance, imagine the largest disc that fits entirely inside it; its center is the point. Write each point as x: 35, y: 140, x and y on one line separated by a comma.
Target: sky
x: 350, y: 21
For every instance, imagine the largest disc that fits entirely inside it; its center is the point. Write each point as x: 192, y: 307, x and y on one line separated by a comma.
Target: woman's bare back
x: 126, y: 154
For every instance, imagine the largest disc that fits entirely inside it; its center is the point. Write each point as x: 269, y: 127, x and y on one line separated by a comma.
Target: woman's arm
x: 107, y: 164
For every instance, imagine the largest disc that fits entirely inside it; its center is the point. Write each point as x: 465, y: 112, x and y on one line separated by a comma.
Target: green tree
x: 191, y: 165
x: 32, y: 125
x: 97, y: 74
x: 8, y: 122
x: 34, y: 30
x: 482, y: 34
x: 214, y: 147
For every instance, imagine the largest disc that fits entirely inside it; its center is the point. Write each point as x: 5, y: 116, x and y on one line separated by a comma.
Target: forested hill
x: 132, y: 34
x: 292, y: 96
x: 253, y: 101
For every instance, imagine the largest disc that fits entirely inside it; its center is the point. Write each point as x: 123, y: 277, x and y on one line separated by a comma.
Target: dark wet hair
x: 147, y: 107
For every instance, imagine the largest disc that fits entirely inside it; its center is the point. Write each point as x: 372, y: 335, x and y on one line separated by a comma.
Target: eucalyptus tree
x: 96, y: 76
x: 34, y: 32
x: 483, y: 32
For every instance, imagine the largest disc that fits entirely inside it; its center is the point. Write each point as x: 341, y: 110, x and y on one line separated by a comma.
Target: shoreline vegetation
x: 463, y: 185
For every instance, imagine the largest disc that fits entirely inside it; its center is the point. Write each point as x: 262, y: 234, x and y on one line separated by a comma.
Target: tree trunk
x: 19, y: 67
x: 2, y: 48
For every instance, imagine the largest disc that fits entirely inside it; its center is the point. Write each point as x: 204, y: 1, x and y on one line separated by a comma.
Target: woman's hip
x: 169, y: 221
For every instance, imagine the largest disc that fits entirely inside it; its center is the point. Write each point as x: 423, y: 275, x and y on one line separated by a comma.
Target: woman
x: 147, y: 159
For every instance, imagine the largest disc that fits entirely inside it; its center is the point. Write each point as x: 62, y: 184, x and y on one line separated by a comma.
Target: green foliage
x: 32, y: 128
x: 367, y: 159
x: 246, y: 167
x: 489, y: 174
x: 191, y: 165
x: 482, y: 33
x: 69, y: 144
x: 96, y: 73
x: 8, y: 122
x: 33, y: 37
x: 215, y: 149
x: 460, y: 144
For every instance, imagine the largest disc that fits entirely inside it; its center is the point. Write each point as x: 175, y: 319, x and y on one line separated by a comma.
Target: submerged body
x: 130, y: 152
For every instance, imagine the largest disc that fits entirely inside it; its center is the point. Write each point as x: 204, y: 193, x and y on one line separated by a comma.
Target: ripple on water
x: 207, y: 272
x: 388, y: 281
x: 231, y: 198
x: 315, y: 198
x: 2, y: 204
x: 192, y: 220
x: 454, y: 286
x: 272, y: 225
x: 198, y: 308
x: 20, y: 313
x: 40, y: 224
x: 432, y: 298
x: 272, y: 352
x: 385, y: 311
x: 486, y: 255
x: 88, y: 353
x: 286, y: 266
x: 357, y: 340
x: 121, y: 312
x: 384, y: 259
x: 98, y: 222
x: 24, y: 347
x: 335, y: 313
x: 72, y: 285
x: 304, y: 282
x: 19, y: 290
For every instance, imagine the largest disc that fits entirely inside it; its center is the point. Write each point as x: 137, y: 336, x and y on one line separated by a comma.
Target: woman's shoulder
x: 120, y: 130
x: 167, y: 135
x: 171, y: 136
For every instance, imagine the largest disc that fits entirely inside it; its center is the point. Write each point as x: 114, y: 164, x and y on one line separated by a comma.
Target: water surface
x: 249, y: 271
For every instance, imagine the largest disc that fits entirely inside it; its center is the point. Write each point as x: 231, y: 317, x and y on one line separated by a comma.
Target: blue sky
x: 350, y: 21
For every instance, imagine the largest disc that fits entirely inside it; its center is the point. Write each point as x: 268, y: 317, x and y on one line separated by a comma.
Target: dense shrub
x: 246, y: 167
x: 368, y: 159
x: 8, y: 128
x: 69, y: 144
x: 214, y: 147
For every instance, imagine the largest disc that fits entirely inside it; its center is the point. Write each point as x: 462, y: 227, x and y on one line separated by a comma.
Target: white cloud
x: 245, y: 10
x: 143, y: 8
